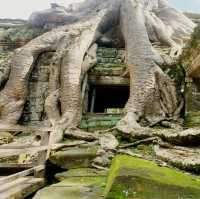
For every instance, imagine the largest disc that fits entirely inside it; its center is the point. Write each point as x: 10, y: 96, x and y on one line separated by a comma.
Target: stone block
x: 131, y: 177
x: 74, y: 157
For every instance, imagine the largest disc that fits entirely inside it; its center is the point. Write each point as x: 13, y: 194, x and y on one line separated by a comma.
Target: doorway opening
x: 107, y: 99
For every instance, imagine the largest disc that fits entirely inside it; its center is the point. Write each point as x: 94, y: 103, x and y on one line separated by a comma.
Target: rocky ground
x: 113, y: 164
x: 89, y: 169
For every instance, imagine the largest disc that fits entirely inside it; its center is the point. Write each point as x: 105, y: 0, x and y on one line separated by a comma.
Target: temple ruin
x: 94, y: 95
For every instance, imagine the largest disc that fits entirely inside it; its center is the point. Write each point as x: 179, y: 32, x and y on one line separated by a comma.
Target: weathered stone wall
x: 98, y: 122
x: 14, y: 34
x: 108, y: 61
x: 38, y: 90
x: 107, y: 56
x: 109, y: 68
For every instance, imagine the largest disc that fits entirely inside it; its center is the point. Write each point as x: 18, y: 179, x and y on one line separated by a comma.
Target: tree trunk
x: 149, y: 95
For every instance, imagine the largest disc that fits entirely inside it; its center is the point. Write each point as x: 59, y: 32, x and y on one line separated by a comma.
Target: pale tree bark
x: 78, y: 56
x: 151, y: 91
x: 152, y: 94
x: 13, y: 96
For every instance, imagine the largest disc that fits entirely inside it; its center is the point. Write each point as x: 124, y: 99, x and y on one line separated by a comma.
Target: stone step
x: 82, y: 172
x: 21, y: 187
x: 74, y: 188
x: 74, y: 157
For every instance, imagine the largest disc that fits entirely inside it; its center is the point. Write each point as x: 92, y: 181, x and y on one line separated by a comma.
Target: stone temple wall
x: 112, y: 56
x: 14, y: 34
x: 38, y: 90
x: 108, y: 59
x: 108, y: 71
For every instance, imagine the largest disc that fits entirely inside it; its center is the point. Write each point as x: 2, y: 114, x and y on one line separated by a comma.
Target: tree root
x: 80, y: 135
x: 143, y: 141
x: 180, y: 157
x: 189, y: 137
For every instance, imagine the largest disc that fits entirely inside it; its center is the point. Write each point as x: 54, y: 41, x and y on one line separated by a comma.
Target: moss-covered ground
x: 134, y: 178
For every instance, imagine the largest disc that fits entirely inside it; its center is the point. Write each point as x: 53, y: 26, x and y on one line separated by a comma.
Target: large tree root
x: 79, y: 134
x: 180, y: 157
x: 189, y: 137
x: 152, y: 94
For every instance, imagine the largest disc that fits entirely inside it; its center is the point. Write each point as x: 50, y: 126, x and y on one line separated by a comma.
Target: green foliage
x: 195, y: 39
x: 81, y: 172
x: 192, y: 49
x: 21, y: 33
x: 4, y: 56
x: 192, y: 119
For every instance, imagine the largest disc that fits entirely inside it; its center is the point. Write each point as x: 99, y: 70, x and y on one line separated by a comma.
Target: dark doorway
x: 106, y: 99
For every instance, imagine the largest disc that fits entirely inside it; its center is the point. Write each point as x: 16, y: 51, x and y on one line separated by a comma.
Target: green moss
x: 192, y: 119
x: 82, y: 172
x: 114, y: 171
x: 192, y: 48
x: 148, y: 189
x: 107, y: 52
x: 23, y: 33
x: 107, y: 70
x: 177, y: 74
x: 103, y: 118
x: 147, y: 171
x: 108, y: 66
x: 4, y: 56
x: 82, y: 181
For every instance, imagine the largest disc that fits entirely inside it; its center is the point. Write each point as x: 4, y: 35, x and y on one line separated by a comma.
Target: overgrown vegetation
x: 192, y: 49
x: 24, y: 33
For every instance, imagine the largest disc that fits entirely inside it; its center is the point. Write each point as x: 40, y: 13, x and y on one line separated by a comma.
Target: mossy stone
x: 74, y: 188
x: 74, y: 157
x: 131, y: 177
x: 82, y: 172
